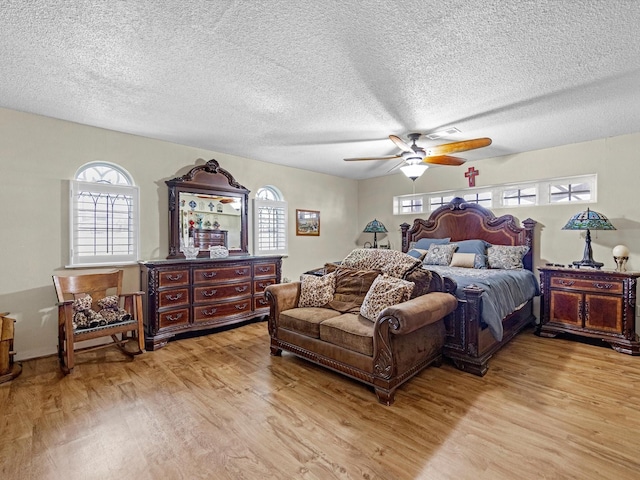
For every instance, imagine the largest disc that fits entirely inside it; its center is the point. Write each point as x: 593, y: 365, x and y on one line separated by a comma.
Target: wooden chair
x: 98, y: 285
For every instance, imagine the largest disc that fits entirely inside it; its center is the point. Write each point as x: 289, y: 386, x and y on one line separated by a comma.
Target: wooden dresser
x: 192, y: 295
x: 597, y: 304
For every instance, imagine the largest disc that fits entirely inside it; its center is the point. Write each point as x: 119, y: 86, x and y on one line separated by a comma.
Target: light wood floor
x: 220, y: 407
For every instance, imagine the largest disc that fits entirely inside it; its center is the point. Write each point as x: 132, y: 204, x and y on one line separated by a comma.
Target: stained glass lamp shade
x: 588, y: 220
x: 375, y: 227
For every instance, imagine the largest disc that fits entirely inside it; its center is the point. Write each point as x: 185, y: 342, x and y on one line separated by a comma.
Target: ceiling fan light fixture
x: 414, y: 169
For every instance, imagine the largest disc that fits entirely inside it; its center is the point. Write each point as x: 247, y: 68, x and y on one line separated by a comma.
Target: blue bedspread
x: 504, y: 290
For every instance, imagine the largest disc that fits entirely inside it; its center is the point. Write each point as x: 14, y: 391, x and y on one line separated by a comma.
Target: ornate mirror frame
x: 208, y: 180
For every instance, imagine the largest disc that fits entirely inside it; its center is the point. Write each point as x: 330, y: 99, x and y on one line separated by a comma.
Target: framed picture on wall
x: 307, y: 222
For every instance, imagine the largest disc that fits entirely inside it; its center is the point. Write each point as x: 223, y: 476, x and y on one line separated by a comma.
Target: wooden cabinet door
x: 565, y: 307
x: 603, y: 313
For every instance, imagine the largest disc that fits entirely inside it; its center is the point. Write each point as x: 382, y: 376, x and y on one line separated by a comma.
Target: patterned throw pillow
x: 506, y: 257
x: 384, y: 292
x: 440, y: 254
x: 317, y: 291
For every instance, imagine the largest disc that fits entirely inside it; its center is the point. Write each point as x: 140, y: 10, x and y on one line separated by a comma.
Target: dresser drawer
x: 596, y: 285
x: 173, y: 298
x: 260, y: 285
x: 220, y: 292
x: 221, y: 274
x: 173, y: 278
x: 213, y: 311
x: 264, y: 270
x: 173, y: 318
x: 260, y: 303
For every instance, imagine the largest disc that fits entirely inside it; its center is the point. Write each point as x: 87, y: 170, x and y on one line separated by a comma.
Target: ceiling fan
x: 413, y: 155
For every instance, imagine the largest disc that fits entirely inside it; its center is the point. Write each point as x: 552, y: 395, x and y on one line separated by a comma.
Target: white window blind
x: 104, y: 223
x: 270, y: 226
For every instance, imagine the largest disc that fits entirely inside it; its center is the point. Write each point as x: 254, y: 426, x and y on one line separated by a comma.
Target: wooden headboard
x: 459, y: 220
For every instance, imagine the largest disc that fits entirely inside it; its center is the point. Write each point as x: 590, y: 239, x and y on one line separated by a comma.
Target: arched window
x: 270, y: 222
x: 104, y: 216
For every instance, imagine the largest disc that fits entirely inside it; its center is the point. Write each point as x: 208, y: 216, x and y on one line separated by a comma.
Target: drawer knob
x: 175, y: 297
x: 209, y: 274
x: 174, y: 318
x: 565, y: 282
x: 208, y: 313
x: 241, y: 289
x: 264, y: 285
x: 241, y: 272
x: 241, y: 307
x: 263, y: 269
x: 209, y: 293
x: 603, y: 285
x: 174, y: 278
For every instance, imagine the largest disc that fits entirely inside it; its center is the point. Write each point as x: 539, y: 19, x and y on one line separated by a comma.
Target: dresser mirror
x: 207, y: 207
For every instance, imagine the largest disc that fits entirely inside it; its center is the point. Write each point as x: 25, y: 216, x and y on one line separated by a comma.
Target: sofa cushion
x: 316, y: 291
x: 421, y: 278
x: 384, y: 292
x: 305, y: 320
x: 351, y: 287
x: 350, y: 331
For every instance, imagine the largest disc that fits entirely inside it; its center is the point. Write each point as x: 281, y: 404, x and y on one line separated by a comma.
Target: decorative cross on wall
x: 471, y: 175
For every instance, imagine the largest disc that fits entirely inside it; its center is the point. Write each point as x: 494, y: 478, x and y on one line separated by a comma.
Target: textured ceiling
x: 307, y: 83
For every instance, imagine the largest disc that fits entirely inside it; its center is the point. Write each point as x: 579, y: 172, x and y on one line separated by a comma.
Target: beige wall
x: 38, y: 155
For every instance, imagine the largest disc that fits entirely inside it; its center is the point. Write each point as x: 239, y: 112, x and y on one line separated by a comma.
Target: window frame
x: 281, y: 242
x: 131, y: 192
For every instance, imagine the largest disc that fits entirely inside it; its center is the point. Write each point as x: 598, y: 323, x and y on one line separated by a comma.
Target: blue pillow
x: 479, y: 247
x: 425, y: 243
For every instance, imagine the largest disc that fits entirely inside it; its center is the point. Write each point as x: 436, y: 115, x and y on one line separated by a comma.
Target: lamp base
x: 587, y: 258
x: 588, y: 263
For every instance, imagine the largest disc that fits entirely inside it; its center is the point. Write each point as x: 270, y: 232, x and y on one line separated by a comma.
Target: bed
x: 472, y: 336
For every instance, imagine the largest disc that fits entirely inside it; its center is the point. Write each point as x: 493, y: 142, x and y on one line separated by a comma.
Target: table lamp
x: 375, y: 227
x: 588, y: 220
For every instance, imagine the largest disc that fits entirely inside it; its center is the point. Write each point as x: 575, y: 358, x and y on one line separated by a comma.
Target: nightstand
x: 597, y: 304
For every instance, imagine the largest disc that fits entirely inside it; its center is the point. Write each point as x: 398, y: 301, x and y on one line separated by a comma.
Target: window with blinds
x: 104, y: 218
x: 270, y: 222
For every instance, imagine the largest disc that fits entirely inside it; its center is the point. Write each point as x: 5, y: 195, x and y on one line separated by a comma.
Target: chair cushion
x: 350, y: 331
x: 305, y: 320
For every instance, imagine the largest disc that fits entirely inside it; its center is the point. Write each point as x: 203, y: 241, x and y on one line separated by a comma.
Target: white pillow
x: 466, y: 260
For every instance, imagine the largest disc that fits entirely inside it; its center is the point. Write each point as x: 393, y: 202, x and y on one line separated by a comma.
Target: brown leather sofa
x: 404, y: 339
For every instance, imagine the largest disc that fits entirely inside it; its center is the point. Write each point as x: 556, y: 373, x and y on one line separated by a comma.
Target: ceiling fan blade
x: 402, y: 145
x: 390, y: 157
x: 455, y: 147
x: 444, y: 160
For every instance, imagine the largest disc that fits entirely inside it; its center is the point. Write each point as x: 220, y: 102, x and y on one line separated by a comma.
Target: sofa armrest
x: 413, y: 314
x: 281, y: 297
